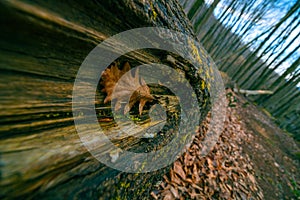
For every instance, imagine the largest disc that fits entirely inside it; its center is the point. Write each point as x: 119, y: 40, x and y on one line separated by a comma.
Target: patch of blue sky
x: 274, y: 13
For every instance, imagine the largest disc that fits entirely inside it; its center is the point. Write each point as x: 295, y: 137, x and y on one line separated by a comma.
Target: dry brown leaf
x: 178, y: 170
x: 174, y: 178
x: 251, y: 177
x: 166, y: 179
x: 168, y: 195
x: 174, y: 192
x: 193, y: 194
x: 195, y: 174
x: 197, y: 187
x: 210, y: 164
x: 154, y: 195
x: 188, y: 159
x: 127, y: 85
x: 189, y: 180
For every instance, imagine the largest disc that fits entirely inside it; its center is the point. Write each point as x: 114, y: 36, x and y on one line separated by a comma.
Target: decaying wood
x: 228, y: 83
x: 252, y: 92
x: 42, y: 45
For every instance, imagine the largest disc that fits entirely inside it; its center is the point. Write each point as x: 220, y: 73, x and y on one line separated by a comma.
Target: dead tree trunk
x: 43, y: 44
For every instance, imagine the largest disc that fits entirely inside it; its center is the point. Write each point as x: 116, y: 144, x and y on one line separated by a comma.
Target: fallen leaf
x: 128, y: 86
x: 178, y: 170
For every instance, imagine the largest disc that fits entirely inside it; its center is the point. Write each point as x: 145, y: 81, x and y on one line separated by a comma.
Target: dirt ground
x: 272, y: 152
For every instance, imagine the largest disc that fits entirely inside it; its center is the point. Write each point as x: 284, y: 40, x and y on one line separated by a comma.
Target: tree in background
x: 256, y: 44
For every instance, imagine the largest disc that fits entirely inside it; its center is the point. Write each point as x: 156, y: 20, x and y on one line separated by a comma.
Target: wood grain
x: 42, y: 45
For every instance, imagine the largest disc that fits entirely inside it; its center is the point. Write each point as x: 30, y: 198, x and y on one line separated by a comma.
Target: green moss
x: 203, y: 85
x: 297, y: 154
x: 294, y: 188
x: 195, y: 52
x: 153, y: 12
x: 207, y: 71
x: 267, y: 112
x: 125, y: 185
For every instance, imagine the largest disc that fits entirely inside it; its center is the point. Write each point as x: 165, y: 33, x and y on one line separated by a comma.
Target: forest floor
x: 253, y: 159
x: 272, y: 151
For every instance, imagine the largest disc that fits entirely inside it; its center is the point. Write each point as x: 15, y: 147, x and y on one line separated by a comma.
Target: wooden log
x: 252, y: 92
x: 43, y: 44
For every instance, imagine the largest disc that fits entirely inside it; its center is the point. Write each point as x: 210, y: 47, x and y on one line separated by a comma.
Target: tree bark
x: 43, y: 44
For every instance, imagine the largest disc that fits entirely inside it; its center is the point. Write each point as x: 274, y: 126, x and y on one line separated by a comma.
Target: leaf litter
x: 225, y: 173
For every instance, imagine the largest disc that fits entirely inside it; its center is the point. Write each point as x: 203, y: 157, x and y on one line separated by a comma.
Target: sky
x: 269, y: 19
